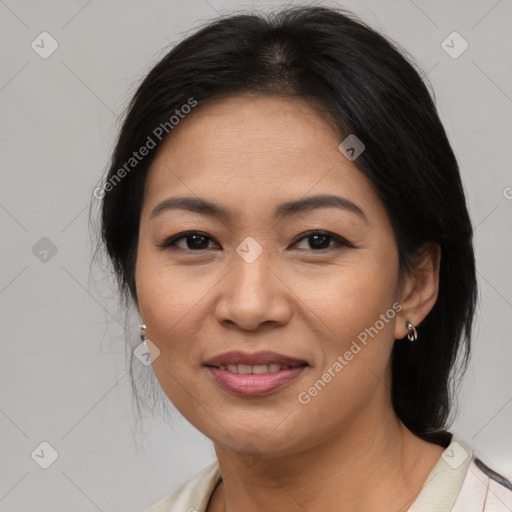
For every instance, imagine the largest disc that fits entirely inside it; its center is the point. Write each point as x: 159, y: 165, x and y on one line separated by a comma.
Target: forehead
x: 253, y: 150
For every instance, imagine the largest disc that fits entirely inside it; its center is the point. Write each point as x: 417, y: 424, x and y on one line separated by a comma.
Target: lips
x: 257, y: 374
x: 244, y: 360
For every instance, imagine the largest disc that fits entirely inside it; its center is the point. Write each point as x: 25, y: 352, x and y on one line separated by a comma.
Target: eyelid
x: 340, y: 241
x: 168, y: 243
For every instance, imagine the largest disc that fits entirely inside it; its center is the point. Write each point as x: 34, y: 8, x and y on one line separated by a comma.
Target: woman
x: 285, y: 211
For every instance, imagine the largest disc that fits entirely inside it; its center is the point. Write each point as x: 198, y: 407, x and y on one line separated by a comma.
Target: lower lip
x: 251, y: 384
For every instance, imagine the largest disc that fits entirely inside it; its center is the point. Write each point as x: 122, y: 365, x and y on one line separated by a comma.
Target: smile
x: 257, y: 369
x: 254, y: 380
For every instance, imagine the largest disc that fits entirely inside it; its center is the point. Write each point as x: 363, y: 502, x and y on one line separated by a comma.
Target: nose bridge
x: 251, y: 272
x: 251, y: 293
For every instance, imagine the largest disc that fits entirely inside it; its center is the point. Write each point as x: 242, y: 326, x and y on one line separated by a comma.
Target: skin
x: 346, y: 446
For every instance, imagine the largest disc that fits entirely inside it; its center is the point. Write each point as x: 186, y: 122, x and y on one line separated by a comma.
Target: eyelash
x: 170, y: 243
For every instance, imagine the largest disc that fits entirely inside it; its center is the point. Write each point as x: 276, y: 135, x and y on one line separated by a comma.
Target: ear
x: 419, y: 289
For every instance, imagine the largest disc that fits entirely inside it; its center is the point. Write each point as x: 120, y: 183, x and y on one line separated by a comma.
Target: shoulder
x: 193, y: 495
x: 484, y: 489
x: 462, y: 482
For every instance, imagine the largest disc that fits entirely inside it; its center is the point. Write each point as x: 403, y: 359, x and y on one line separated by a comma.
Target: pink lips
x: 262, y: 357
x: 250, y: 384
x: 254, y: 384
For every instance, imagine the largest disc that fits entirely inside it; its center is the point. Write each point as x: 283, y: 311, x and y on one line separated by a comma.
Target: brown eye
x: 321, y: 240
x: 197, y: 241
x: 193, y: 241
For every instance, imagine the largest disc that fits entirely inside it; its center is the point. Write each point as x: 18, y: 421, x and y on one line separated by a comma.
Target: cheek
x: 164, y: 303
x: 355, y: 308
x: 165, y: 314
x: 170, y: 303
x: 348, y: 298
x: 166, y: 293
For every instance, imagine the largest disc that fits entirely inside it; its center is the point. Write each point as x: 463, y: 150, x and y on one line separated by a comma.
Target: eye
x: 193, y: 241
x: 319, y: 240
x: 197, y: 241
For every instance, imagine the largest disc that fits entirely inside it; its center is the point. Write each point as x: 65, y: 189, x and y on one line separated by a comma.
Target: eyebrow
x: 290, y: 208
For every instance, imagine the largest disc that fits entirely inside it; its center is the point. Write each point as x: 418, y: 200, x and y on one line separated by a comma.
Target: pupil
x: 196, y: 243
x: 324, y: 237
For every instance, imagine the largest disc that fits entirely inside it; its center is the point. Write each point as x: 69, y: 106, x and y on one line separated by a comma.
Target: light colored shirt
x: 459, y: 482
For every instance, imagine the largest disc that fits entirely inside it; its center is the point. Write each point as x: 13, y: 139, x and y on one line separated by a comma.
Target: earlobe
x: 419, y: 291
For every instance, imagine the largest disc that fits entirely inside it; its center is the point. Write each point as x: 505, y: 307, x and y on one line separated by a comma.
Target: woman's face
x: 256, y: 278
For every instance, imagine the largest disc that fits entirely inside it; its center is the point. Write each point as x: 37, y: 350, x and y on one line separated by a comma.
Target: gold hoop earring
x: 412, y: 334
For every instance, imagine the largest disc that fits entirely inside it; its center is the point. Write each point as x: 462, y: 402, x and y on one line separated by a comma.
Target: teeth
x: 244, y: 368
x: 257, y: 369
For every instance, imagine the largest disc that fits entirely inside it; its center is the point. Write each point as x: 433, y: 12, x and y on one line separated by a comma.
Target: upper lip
x: 263, y: 357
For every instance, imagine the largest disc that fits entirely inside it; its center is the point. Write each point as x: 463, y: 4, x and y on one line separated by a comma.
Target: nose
x: 252, y: 294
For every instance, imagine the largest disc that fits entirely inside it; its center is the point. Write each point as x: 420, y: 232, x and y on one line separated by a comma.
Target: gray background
x: 63, y: 364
